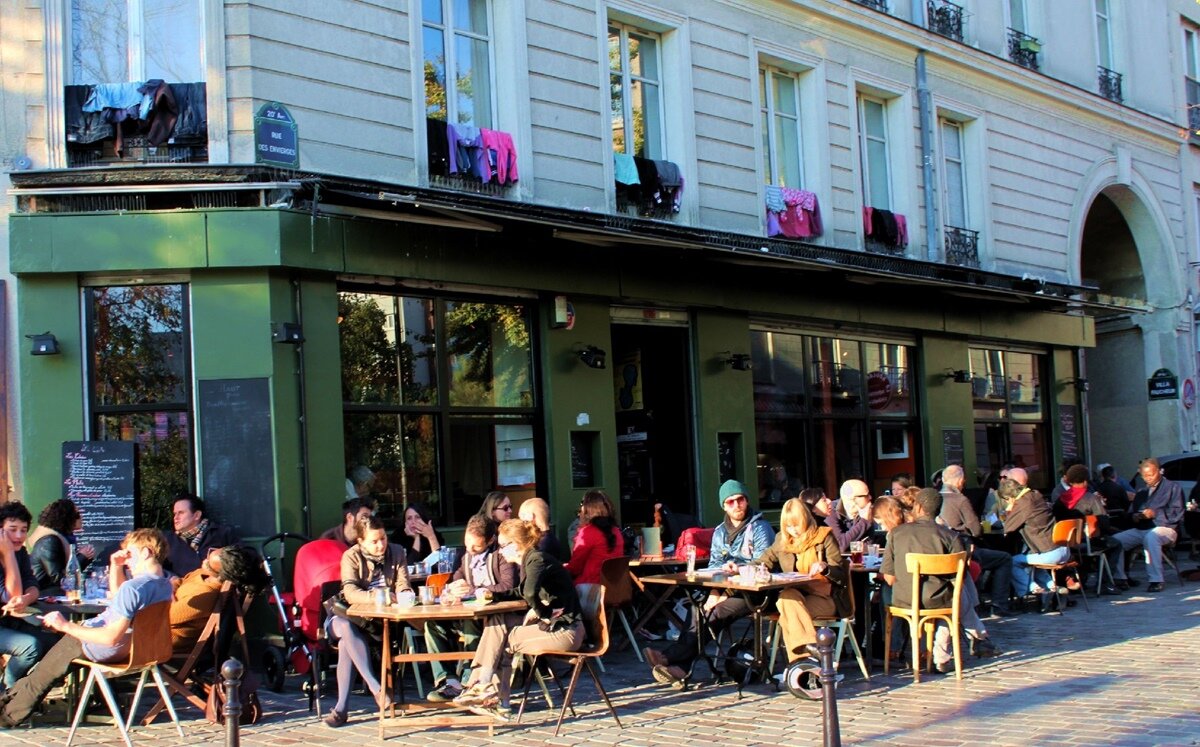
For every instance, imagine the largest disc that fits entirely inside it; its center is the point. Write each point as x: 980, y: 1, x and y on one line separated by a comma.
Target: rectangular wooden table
x: 418, y: 615
x: 757, y: 595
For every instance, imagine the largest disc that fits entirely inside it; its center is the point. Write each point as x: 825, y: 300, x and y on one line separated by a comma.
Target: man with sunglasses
x: 741, y: 537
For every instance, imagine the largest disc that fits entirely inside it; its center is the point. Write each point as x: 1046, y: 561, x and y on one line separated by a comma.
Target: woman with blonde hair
x: 554, y: 621
x: 804, y: 546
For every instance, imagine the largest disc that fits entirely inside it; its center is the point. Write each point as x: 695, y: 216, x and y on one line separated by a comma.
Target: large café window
x: 1010, y: 417
x: 828, y: 409
x: 438, y: 399
x: 139, y: 384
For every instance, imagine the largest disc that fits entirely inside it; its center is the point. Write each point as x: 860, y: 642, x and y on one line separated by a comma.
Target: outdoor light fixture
x: 593, y: 357
x: 1081, y: 385
x: 959, y: 375
x: 288, y: 333
x: 44, y: 344
x: 736, y: 361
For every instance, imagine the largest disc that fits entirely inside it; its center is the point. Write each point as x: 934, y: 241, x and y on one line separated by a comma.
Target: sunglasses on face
x: 735, y: 500
x: 504, y: 508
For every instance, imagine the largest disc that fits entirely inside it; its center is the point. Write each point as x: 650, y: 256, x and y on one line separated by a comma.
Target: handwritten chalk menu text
x: 101, y: 478
x: 236, y: 454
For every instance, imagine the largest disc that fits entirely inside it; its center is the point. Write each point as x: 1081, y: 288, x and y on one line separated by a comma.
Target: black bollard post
x: 829, y: 721
x: 232, y: 670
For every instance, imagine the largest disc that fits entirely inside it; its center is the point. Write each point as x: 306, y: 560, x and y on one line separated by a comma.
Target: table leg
x: 385, y: 671
x: 654, y: 608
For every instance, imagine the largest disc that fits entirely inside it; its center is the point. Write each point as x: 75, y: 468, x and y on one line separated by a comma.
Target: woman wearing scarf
x: 1026, y: 512
x: 804, y: 547
x: 372, y: 564
x: 1077, y: 502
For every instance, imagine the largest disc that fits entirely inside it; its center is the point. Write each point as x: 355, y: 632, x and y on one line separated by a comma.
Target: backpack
x: 699, y: 537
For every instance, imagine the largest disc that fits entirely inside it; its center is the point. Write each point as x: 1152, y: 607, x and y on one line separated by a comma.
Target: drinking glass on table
x: 856, y: 552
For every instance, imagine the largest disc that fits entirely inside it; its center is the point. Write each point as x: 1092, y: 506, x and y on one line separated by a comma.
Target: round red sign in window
x: 879, y: 390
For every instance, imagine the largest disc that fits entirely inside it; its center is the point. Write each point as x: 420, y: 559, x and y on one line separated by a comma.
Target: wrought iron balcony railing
x: 1023, y: 49
x: 962, y: 246
x: 1193, y: 110
x: 879, y: 5
x: 1110, y: 84
x: 945, y: 18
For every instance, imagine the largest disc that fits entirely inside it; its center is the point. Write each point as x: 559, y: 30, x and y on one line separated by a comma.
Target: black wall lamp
x: 1081, y: 385
x: 736, y: 361
x: 592, y: 356
x: 44, y: 344
x: 959, y: 375
x: 287, y: 333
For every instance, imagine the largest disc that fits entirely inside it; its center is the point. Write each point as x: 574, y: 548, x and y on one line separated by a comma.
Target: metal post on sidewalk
x: 232, y: 670
x: 829, y: 715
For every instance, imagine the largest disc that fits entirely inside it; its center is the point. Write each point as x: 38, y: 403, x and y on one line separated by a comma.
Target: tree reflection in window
x: 489, y: 355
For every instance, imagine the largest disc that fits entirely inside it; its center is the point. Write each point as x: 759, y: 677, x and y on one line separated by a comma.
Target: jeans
x: 23, y: 697
x: 25, y: 646
x: 1022, y: 583
x: 437, y: 640
x: 683, y: 653
x: 1150, y: 539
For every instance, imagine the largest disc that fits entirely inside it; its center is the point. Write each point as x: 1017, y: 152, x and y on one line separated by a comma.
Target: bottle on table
x: 72, y: 581
x: 691, y: 560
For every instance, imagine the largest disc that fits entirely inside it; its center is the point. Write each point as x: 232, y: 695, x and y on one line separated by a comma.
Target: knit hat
x: 731, y: 488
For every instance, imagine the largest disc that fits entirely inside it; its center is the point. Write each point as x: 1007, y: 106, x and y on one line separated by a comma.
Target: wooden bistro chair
x: 435, y: 582
x: 921, y: 564
x: 149, y: 647
x: 592, y: 601
x: 618, y: 594
x: 1067, y: 533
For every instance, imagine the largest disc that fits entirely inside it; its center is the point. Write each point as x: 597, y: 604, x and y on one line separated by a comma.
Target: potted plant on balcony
x: 1031, y: 45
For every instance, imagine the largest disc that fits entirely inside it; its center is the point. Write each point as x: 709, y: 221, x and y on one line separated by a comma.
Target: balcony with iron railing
x: 945, y: 18
x: 1193, y: 110
x: 1110, y: 84
x: 879, y: 5
x: 962, y: 246
x: 1023, y: 49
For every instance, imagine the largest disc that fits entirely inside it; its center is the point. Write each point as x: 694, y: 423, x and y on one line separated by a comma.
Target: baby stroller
x: 293, y: 652
x: 318, y: 574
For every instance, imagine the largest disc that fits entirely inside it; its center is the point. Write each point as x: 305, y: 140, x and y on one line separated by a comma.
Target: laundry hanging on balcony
x: 471, y: 152
x: 652, y: 187
x: 794, y: 213
x: 151, y: 104
x: 885, y: 227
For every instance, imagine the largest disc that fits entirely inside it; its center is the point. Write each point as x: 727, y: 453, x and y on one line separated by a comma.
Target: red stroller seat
x: 317, y: 563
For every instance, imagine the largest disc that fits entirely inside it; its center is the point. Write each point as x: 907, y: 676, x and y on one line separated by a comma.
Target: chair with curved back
x: 925, y: 618
x: 1067, y: 533
x: 618, y: 594
x: 591, y: 599
x: 149, y: 646
x: 844, y: 626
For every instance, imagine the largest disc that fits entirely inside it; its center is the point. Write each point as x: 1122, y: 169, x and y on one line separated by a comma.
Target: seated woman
x: 418, y: 538
x: 845, y: 529
x: 1026, y: 512
x: 598, y: 540
x: 371, y: 564
x: 804, y: 547
x: 24, y: 643
x: 554, y: 621
x: 50, y: 545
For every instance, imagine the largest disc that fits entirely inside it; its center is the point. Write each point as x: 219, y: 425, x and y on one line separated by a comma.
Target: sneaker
x: 669, y: 675
x: 944, y: 667
x: 655, y: 658
x: 500, y: 713
x: 983, y: 648
x: 1001, y: 612
x: 476, y: 694
x: 1154, y: 587
x: 335, y: 719
x: 448, y: 691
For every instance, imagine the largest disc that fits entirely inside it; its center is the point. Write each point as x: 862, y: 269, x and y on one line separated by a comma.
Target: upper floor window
x: 954, y: 174
x: 635, y: 90
x: 1017, y: 16
x: 872, y: 127
x: 1191, y: 57
x: 456, y: 37
x: 782, y: 160
x: 1104, y: 51
x: 116, y: 41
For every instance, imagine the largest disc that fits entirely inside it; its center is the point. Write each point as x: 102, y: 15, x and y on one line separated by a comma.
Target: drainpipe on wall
x: 925, y: 114
x: 1084, y: 420
x: 303, y: 396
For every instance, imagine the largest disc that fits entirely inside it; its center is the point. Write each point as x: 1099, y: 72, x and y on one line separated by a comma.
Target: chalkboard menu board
x: 1068, y: 432
x: 236, y: 456
x: 583, y: 459
x: 727, y: 449
x: 101, y: 478
x: 952, y: 447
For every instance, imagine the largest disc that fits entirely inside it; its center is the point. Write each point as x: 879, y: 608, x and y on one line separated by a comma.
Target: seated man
x: 482, y: 570
x: 352, y: 510
x: 742, y: 537
x: 199, y: 590
x: 1077, y: 503
x: 1157, y: 512
x: 25, y: 644
x: 104, y: 638
x: 195, y: 534
x: 924, y: 535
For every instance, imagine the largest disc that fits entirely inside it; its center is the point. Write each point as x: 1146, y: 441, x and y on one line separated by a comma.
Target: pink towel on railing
x: 901, y: 229
x: 501, y: 144
x: 867, y: 216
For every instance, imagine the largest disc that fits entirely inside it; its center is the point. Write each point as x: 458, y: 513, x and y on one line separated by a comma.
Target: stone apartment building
x: 544, y: 246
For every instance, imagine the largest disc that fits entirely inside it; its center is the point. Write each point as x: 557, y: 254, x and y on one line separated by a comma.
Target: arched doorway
x: 1126, y: 251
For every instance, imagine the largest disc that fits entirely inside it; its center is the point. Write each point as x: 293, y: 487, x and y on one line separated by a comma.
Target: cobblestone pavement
x: 1123, y: 674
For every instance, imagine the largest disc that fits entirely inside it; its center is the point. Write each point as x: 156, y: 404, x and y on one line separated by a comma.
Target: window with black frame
x: 140, y: 385
x: 438, y: 399
x: 1009, y: 412
x: 828, y: 409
